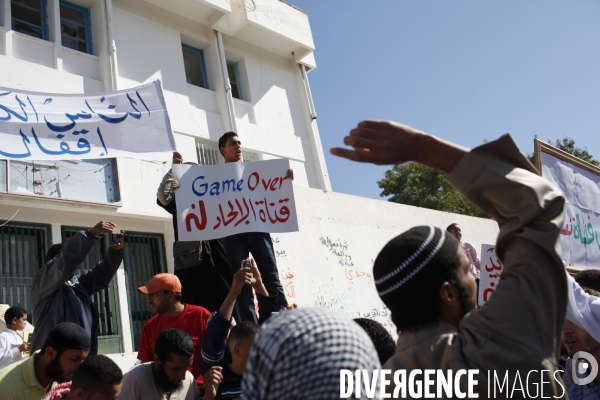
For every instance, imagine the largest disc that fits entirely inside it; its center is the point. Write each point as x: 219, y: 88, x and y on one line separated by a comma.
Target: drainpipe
x: 229, y: 97
x: 112, y: 47
x: 311, y: 105
x: 315, y: 138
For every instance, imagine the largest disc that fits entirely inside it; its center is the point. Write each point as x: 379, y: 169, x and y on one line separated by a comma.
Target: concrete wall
x: 327, y: 262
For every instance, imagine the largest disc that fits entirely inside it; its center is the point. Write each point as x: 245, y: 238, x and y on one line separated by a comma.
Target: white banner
x: 128, y: 123
x: 579, y: 237
x: 215, y: 201
x: 491, y: 269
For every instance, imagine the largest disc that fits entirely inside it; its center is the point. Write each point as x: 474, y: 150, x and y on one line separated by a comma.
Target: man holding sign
x: 241, y: 203
x: 259, y: 244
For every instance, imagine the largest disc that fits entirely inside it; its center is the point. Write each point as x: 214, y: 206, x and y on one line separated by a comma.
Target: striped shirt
x: 216, y: 353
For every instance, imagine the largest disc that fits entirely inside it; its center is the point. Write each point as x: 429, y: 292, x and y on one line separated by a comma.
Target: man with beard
x: 97, y: 378
x: 423, y: 275
x: 167, y: 376
x: 65, y: 348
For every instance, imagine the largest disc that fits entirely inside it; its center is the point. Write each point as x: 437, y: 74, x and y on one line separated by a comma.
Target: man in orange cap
x: 164, y: 297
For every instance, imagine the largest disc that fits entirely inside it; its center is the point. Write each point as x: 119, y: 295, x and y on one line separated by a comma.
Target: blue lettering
x: 214, y: 189
x: 201, y: 186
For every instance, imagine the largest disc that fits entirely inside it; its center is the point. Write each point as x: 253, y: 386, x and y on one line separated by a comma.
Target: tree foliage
x: 417, y: 185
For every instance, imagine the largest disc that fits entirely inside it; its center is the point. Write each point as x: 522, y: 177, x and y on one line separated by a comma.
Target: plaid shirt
x: 591, y: 391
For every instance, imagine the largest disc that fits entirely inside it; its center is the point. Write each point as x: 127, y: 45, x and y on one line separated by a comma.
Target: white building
x: 224, y: 65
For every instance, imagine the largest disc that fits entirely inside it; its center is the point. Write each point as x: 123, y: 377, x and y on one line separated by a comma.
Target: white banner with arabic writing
x: 128, y: 123
x: 579, y: 237
x: 491, y: 269
x: 215, y: 201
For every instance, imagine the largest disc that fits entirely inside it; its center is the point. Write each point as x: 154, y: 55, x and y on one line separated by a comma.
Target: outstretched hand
x: 381, y: 143
x: 387, y: 142
x: 257, y: 282
x: 102, y: 226
x: 177, y: 158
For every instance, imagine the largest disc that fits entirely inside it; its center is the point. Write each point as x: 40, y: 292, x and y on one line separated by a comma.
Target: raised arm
x: 63, y: 266
x: 215, y: 337
x: 386, y: 142
x: 100, y: 276
x: 531, y: 297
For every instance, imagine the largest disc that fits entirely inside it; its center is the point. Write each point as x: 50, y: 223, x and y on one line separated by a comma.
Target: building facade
x: 225, y: 65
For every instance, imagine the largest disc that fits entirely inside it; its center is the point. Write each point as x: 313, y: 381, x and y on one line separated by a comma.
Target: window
x: 234, y: 79
x: 87, y: 180
x: 209, y: 154
x: 29, y: 17
x: 195, y: 70
x: 143, y: 257
x: 75, y: 30
x: 23, y: 248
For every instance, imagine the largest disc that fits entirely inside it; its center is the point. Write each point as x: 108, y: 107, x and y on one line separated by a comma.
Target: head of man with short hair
x: 423, y: 276
x: 15, y: 318
x: 382, y: 340
x: 241, y: 338
x: 53, y: 251
x: 230, y: 147
x: 164, y: 294
x: 65, y: 348
x: 589, y: 278
x: 454, y: 230
x: 173, y: 355
x: 97, y: 378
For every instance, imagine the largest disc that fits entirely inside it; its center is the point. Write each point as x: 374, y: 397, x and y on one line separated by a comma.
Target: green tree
x: 417, y: 185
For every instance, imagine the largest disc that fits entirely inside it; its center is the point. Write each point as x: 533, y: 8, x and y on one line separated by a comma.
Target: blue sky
x: 462, y: 70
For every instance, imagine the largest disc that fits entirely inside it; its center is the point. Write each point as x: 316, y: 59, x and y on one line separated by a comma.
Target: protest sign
x: 579, y: 182
x: 215, y: 201
x: 491, y: 269
x: 128, y: 123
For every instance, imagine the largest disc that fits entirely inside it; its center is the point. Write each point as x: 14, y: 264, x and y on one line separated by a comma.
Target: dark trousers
x: 238, y: 247
x: 207, y: 285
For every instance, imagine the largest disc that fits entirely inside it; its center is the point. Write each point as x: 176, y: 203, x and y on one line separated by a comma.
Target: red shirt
x: 192, y: 321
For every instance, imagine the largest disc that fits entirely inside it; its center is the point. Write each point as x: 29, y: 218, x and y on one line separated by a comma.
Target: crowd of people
x: 206, y: 339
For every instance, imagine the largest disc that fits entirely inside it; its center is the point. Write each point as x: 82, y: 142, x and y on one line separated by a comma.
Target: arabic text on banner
x: 579, y: 237
x: 491, y: 269
x: 128, y: 123
x: 215, y: 201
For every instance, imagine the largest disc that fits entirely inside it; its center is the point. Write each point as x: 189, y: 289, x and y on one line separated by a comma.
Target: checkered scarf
x: 298, y: 354
x: 60, y: 392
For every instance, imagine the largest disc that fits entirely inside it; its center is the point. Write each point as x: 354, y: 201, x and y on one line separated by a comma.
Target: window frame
x: 88, y: 26
x: 238, y: 81
x: 202, y: 64
x: 5, y: 191
x: 44, y: 11
x: 205, y: 146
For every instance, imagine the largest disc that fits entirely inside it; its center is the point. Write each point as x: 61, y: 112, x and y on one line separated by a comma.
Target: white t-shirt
x: 138, y: 384
x: 9, y: 353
